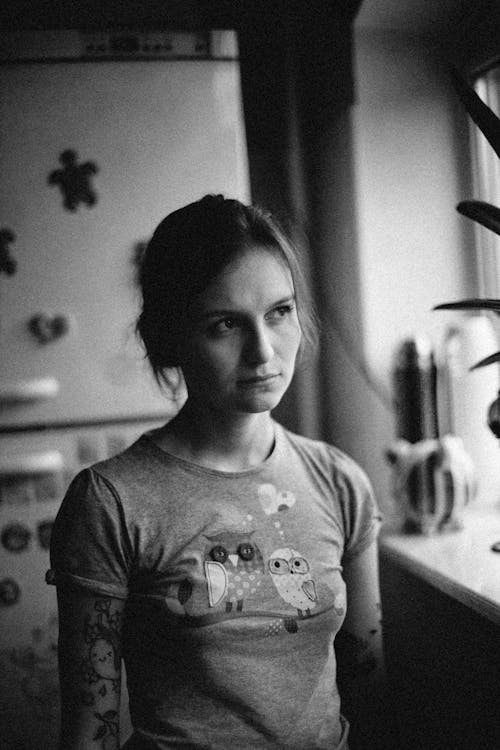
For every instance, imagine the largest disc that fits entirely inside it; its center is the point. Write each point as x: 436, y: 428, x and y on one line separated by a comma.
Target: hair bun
x: 214, y: 200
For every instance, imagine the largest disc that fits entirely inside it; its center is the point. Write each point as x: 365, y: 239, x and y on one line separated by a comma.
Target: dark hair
x: 188, y: 249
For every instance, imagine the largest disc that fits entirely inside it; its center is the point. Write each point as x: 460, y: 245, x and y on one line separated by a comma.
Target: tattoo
x: 107, y: 730
x: 103, y: 663
x: 355, y: 659
x: 87, y: 698
x: 101, y: 670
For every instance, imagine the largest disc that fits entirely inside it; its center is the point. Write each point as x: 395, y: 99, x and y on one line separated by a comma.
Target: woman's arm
x: 89, y: 654
x: 360, y: 662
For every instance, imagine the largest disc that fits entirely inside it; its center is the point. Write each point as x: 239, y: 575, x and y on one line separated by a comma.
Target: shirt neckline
x: 193, y: 467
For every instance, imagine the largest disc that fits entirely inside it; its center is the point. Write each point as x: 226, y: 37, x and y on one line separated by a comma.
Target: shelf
x: 461, y: 564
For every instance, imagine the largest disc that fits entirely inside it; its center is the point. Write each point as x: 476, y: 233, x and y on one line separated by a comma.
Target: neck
x: 229, y: 443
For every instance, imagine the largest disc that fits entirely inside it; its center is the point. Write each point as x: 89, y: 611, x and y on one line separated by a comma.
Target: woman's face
x: 244, y: 336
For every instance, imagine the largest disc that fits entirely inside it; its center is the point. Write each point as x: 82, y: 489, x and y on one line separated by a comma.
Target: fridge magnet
x: 74, y: 180
x: 15, y: 537
x: 46, y: 328
x: 9, y: 592
x: 15, y: 491
x: 8, y: 264
x: 44, y: 530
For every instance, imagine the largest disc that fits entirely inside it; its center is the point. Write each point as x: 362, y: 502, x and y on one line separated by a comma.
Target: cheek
x: 209, y: 366
x: 217, y: 356
x: 290, y: 339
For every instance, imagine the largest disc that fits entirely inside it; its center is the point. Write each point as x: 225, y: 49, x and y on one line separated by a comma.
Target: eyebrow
x: 221, y: 312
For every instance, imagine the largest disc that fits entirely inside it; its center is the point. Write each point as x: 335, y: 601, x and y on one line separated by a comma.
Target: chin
x: 260, y: 404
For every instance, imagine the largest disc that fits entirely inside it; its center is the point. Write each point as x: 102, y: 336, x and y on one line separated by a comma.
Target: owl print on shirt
x: 291, y: 576
x: 252, y: 567
x: 234, y: 568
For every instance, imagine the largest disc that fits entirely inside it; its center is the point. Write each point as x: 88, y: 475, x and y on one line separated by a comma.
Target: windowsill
x: 461, y: 564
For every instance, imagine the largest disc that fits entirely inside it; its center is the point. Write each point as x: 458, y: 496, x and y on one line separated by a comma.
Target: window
x: 487, y: 188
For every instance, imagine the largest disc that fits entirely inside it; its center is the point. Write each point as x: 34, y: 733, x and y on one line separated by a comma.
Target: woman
x: 214, y: 554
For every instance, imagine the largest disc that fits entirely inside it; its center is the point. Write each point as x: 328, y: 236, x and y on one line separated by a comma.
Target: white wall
x: 415, y: 251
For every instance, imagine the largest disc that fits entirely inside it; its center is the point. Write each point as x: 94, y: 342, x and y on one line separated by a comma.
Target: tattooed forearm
x: 102, y: 633
x: 90, y: 635
x: 363, y: 687
x: 101, y: 671
x: 355, y: 656
x: 107, y: 731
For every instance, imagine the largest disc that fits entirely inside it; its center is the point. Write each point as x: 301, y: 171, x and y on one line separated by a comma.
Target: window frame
x: 486, y: 187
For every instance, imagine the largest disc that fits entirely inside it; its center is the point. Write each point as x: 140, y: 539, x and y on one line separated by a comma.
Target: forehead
x: 255, y: 278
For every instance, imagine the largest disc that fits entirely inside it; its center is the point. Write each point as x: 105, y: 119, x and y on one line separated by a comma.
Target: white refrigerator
x: 101, y: 135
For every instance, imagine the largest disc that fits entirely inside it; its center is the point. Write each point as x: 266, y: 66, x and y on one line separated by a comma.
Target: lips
x: 258, y: 379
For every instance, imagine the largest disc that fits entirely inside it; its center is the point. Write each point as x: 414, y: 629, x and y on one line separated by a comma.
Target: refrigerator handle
x: 24, y: 391
x: 31, y: 464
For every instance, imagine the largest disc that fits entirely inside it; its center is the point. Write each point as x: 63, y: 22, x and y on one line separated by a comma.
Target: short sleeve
x: 360, y: 512
x: 90, y: 547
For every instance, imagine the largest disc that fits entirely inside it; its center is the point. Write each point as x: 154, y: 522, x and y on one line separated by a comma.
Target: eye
x: 219, y: 554
x: 222, y: 326
x: 280, y: 312
x: 246, y: 551
x: 278, y: 566
x: 299, y: 565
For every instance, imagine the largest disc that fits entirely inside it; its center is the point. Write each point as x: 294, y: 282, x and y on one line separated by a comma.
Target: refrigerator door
x: 94, y: 155
x: 35, y: 469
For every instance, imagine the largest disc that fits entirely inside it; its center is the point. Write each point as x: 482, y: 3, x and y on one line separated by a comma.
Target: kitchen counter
x: 441, y: 615
x: 461, y: 564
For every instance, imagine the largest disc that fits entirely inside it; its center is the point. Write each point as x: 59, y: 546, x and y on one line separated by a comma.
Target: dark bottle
x: 414, y: 380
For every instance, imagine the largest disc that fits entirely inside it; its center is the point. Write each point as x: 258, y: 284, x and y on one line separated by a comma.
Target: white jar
x: 464, y: 398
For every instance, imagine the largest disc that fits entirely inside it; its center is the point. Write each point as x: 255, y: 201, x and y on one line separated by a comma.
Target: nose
x: 258, y: 346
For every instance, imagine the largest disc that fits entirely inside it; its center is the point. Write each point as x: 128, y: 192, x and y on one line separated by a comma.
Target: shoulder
x: 130, y: 474
x: 328, y: 457
x: 106, y: 486
x: 133, y: 459
x: 352, y: 492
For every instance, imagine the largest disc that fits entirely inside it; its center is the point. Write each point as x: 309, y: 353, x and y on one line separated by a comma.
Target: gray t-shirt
x: 233, y: 584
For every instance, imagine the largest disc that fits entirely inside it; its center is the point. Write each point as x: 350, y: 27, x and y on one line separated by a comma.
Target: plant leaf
x: 487, y: 361
x: 472, y: 304
x: 483, y: 213
x: 481, y: 114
